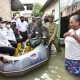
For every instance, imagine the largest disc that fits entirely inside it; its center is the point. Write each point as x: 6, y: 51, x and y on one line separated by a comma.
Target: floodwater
x: 53, y: 70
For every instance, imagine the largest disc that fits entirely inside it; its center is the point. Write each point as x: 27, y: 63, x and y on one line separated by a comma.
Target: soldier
x: 52, y: 32
x: 39, y: 32
x: 32, y: 24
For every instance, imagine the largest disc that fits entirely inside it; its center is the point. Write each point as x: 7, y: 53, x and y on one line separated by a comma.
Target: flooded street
x: 53, y: 70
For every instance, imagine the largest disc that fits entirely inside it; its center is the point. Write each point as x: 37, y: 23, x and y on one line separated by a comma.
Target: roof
x: 46, y: 5
x: 16, y: 5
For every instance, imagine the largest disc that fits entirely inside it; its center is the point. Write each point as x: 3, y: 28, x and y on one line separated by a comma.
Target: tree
x: 36, y: 9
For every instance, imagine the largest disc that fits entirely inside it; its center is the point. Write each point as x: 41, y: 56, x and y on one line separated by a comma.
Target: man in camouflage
x: 32, y: 24
x: 52, y: 32
x: 39, y: 32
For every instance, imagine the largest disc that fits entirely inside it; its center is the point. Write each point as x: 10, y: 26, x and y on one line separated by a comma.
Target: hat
x: 8, y: 22
x: 4, y: 21
x: 33, y: 17
x: 38, y: 18
x: 51, y: 15
x: 21, y: 16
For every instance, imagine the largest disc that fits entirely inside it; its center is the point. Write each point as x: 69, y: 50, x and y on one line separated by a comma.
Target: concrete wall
x: 5, y: 9
x: 53, y: 6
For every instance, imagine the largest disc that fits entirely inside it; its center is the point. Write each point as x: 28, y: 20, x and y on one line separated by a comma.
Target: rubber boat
x: 25, y: 63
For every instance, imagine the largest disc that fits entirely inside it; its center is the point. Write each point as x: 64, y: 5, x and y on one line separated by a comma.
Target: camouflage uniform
x: 53, y: 34
x: 39, y: 34
x: 31, y: 26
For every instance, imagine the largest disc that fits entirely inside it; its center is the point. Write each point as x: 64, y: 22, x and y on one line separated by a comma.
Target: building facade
x: 27, y: 12
x: 5, y: 9
x: 51, y: 8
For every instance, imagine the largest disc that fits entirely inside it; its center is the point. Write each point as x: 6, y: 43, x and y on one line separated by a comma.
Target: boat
x: 25, y: 63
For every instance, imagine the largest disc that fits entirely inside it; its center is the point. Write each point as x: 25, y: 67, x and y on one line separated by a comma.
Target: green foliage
x: 36, y: 9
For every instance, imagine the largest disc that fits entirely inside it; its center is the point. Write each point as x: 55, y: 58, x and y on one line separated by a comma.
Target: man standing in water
x: 52, y: 32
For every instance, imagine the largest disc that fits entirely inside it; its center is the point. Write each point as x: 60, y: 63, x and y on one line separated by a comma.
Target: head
x: 75, y: 22
x: 39, y: 21
x: 22, y: 18
x: 8, y: 24
x: 33, y: 19
x: 13, y: 24
x: 26, y: 19
x: 50, y: 17
x: 46, y: 19
x: 3, y: 23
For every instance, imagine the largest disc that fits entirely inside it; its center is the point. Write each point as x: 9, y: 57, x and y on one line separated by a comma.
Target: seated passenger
x: 5, y: 46
x: 10, y: 35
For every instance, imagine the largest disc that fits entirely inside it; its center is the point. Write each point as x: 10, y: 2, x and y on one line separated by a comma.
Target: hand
x: 4, y: 60
x: 66, y: 34
x: 9, y: 45
x: 50, y: 41
x: 73, y: 35
x: 27, y: 40
x: 21, y: 37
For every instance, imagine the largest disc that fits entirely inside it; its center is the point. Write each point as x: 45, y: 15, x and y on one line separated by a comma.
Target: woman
x: 72, y: 46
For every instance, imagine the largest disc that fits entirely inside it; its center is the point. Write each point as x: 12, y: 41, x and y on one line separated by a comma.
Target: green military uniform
x: 53, y: 34
x: 40, y: 35
x: 31, y: 26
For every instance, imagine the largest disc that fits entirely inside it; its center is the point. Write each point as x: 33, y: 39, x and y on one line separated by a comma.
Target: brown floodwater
x: 53, y: 70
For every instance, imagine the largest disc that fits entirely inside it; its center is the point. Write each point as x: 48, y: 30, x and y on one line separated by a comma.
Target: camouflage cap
x: 51, y: 15
x: 38, y: 18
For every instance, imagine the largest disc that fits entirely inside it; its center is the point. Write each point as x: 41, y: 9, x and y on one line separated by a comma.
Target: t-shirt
x: 22, y: 26
x: 72, y: 47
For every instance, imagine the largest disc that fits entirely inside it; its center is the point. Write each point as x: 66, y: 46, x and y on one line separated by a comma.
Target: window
x: 29, y: 6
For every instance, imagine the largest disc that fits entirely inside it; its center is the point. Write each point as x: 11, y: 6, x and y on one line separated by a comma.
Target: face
x: 38, y: 22
x: 50, y: 19
x: 22, y: 19
x: 8, y: 25
x: 13, y: 24
x: 74, y: 24
x: 3, y: 24
x: 33, y: 19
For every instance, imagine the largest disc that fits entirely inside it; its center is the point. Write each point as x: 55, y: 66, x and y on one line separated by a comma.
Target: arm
x: 77, y: 38
x: 66, y: 34
x: 54, y: 32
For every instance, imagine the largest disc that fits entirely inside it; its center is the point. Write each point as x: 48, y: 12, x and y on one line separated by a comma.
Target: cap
x: 4, y: 21
x: 21, y: 16
x: 8, y: 22
x: 51, y: 15
x: 38, y: 18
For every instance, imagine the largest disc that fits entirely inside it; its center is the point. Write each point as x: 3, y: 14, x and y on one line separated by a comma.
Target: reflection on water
x: 53, y: 70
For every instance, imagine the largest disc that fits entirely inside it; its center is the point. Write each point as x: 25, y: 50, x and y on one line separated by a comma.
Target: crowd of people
x: 20, y: 31
x: 16, y: 31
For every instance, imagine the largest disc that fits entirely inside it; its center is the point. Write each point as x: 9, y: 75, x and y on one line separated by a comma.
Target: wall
x: 5, y: 9
x: 53, y: 6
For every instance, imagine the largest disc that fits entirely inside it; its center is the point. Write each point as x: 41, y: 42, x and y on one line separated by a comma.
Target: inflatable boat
x: 25, y: 63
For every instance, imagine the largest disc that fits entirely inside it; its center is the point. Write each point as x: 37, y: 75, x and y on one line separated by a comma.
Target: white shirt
x: 72, y: 47
x: 10, y: 34
x: 22, y: 26
x: 3, y: 39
